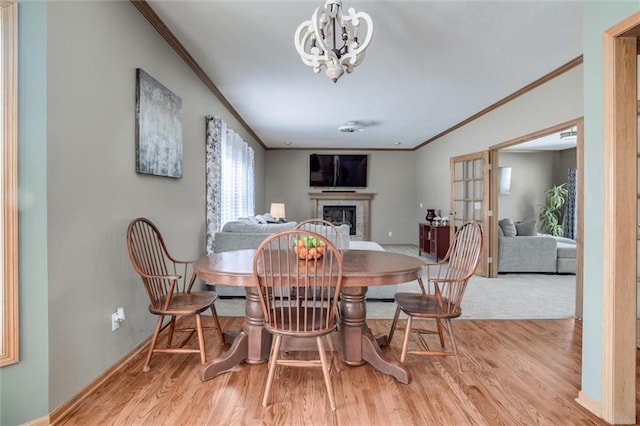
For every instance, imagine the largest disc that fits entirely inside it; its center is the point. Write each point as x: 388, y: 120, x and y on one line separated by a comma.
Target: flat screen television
x: 344, y: 170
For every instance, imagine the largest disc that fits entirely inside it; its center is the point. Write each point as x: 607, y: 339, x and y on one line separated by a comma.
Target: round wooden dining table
x: 356, y: 343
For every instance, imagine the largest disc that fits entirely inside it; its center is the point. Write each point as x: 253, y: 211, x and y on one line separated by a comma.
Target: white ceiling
x: 430, y: 65
x: 552, y: 142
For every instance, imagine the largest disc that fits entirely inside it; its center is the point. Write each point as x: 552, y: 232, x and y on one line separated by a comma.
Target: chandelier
x: 330, y: 39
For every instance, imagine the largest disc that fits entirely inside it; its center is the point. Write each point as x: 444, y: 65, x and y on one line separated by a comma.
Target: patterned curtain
x: 216, y: 128
x: 230, y: 164
x: 570, y: 224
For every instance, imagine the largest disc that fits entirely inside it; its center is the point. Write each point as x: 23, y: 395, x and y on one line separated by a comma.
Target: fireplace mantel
x: 360, y: 199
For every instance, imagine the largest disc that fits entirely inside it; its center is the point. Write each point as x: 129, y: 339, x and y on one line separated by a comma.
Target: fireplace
x: 339, y: 215
x: 361, y: 201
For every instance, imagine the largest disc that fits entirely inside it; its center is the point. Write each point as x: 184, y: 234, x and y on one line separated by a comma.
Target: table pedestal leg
x: 252, y: 345
x: 357, y: 342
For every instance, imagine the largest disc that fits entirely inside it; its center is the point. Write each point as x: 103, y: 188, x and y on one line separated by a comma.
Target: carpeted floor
x: 510, y: 296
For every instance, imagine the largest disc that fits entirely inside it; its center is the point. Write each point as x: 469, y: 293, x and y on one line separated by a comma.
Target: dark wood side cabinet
x: 434, y: 240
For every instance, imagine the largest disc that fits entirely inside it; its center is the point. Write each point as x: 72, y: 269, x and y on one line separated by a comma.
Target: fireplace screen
x: 339, y: 215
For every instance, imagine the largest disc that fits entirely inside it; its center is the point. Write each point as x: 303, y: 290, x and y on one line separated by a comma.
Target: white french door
x: 470, y: 198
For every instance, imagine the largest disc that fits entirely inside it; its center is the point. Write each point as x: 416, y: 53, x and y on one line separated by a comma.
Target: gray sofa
x: 522, y: 249
x: 242, y: 234
x: 245, y: 233
x: 566, y: 262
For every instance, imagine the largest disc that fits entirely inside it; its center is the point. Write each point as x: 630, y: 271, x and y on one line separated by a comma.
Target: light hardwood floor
x: 515, y: 373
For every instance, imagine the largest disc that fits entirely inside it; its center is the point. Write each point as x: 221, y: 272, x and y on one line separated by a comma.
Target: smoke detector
x: 351, y: 127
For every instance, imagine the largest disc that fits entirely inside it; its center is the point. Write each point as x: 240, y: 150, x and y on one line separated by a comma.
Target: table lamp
x: 277, y: 211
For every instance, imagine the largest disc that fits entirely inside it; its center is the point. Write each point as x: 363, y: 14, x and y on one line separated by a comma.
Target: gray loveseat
x: 522, y: 249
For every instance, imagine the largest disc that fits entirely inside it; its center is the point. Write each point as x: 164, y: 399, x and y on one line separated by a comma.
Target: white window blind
x: 237, y: 181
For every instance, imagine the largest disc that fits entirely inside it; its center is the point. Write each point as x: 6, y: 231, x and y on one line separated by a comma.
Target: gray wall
x: 566, y: 160
x: 84, y: 73
x: 391, y: 176
x: 531, y: 176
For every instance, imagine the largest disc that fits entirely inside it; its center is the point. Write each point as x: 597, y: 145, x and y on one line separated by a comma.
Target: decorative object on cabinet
x: 158, y: 128
x: 431, y: 214
x: 434, y: 240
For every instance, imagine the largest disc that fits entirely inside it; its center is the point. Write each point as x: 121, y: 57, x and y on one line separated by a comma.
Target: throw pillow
x: 261, y: 218
x: 527, y: 229
x: 268, y: 217
x: 508, y: 227
x: 249, y: 219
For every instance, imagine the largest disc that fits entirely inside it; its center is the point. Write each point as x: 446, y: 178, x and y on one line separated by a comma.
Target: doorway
x: 495, y: 150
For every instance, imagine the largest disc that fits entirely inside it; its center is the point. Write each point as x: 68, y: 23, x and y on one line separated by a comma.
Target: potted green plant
x: 550, y: 213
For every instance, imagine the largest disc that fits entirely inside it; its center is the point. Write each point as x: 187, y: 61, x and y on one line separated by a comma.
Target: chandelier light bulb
x: 330, y: 39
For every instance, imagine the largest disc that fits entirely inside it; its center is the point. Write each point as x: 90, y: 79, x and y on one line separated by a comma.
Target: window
x: 9, y: 183
x: 237, y: 180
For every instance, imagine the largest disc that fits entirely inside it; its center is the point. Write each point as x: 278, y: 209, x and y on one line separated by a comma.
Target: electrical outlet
x: 115, y: 321
x: 420, y: 205
x: 116, y: 318
x: 390, y: 233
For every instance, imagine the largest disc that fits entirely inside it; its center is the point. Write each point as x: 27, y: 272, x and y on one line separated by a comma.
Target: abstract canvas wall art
x: 158, y: 128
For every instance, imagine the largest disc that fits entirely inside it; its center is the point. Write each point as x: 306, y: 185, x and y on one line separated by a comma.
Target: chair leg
x: 439, y: 325
x: 152, y: 345
x: 405, y: 343
x: 214, y: 312
x: 203, y: 349
x: 172, y: 325
x: 394, y: 323
x: 334, y: 354
x: 325, y: 372
x: 273, y: 361
x: 452, y: 338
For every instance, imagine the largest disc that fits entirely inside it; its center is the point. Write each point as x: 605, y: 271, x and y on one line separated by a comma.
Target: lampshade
x: 331, y: 40
x: 277, y: 210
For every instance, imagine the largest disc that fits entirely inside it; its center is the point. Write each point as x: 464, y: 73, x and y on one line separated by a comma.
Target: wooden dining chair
x: 168, y: 283
x: 281, y: 276
x: 442, y: 299
x: 327, y: 230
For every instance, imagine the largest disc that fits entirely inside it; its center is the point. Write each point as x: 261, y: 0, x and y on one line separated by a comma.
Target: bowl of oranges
x: 308, y: 247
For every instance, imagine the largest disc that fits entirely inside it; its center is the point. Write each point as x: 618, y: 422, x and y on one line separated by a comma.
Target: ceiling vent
x: 351, y: 127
